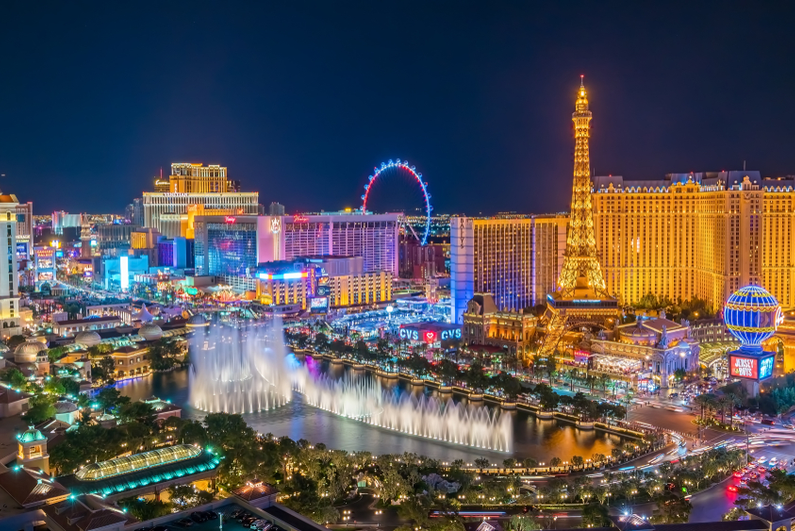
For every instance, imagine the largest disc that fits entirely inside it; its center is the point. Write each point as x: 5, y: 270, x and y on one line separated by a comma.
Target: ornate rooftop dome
x: 30, y: 435
x: 87, y: 339
x: 135, y: 462
x: 150, y: 332
x: 27, y: 351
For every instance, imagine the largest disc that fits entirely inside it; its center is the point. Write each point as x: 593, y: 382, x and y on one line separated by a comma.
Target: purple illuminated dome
x: 752, y: 315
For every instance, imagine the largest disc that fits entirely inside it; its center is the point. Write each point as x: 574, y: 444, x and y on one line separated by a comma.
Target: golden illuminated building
x: 702, y: 235
x: 189, y: 178
x: 484, y: 324
x: 192, y: 190
x: 356, y: 290
x: 144, y: 238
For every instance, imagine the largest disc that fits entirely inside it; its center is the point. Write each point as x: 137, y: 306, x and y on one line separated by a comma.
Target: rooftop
x: 30, y: 487
x: 135, y: 462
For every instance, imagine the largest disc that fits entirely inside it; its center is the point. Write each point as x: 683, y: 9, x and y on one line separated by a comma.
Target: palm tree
x: 704, y: 402
x: 723, y: 402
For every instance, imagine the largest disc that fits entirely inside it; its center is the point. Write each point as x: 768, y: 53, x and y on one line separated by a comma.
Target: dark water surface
x: 539, y: 439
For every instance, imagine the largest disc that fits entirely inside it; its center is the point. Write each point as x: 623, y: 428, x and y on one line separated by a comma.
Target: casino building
x: 232, y: 247
x: 194, y: 189
x: 484, y: 324
x: 647, y: 352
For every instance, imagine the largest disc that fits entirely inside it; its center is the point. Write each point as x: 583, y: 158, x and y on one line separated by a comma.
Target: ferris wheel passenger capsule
x: 363, y: 197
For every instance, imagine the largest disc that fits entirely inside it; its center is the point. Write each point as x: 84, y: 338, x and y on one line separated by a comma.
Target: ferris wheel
x: 397, y: 168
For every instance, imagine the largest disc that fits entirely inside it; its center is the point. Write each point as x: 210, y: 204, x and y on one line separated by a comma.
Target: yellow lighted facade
x: 345, y: 290
x: 189, y: 178
x: 144, y: 239
x: 485, y: 325
x: 356, y: 290
x: 690, y: 235
x: 282, y: 292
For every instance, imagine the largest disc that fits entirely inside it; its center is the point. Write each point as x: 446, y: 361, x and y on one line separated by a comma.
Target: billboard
x: 752, y: 367
x: 318, y: 304
x: 22, y: 250
x: 323, y: 291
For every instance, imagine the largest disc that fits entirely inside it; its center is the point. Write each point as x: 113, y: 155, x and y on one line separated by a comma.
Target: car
x: 743, y: 483
x: 732, y: 488
x: 738, y: 473
x: 211, y: 515
x: 198, y: 517
x: 184, y: 522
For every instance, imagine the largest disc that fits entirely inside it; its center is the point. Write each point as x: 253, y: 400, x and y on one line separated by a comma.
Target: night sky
x: 301, y: 99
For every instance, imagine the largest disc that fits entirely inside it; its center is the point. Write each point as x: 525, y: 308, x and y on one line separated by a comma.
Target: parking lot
x: 180, y: 522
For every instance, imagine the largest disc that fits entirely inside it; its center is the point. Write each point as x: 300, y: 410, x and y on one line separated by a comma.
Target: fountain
x: 247, y: 369
x: 237, y: 370
x: 362, y: 398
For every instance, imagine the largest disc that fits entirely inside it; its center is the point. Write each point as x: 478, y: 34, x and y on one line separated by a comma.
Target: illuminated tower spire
x: 580, y: 266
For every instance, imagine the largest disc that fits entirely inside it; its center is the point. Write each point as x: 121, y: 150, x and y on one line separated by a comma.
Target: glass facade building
x: 230, y: 248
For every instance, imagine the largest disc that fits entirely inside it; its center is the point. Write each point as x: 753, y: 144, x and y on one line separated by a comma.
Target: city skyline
x: 265, y: 105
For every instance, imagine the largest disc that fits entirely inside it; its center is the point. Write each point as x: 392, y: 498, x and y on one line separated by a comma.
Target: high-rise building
x: 144, y: 238
x: 195, y: 189
x: 231, y: 246
x: 9, y: 294
x: 702, y: 235
x: 113, y: 235
x: 24, y: 245
x: 276, y: 209
x: 374, y: 237
x: 581, y: 295
x: 189, y: 178
x: 516, y: 259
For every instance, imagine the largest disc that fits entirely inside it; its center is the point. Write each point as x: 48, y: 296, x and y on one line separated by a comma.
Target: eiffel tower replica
x: 581, y: 297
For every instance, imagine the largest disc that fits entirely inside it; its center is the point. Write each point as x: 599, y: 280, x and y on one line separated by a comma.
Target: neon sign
x: 766, y: 368
x: 755, y: 368
x: 283, y: 276
x: 429, y: 336
x: 230, y: 219
x: 451, y: 334
x: 300, y: 219
x: 409, y: 334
